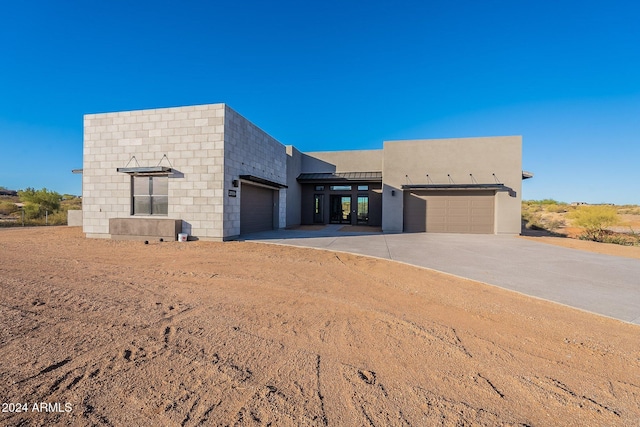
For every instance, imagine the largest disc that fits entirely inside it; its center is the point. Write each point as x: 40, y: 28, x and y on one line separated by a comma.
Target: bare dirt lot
x: 200, y: 333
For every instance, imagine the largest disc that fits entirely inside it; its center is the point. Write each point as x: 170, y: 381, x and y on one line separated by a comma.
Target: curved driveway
x: 598, y: 283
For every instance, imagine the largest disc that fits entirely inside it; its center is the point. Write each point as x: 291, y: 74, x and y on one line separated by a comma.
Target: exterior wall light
x: 234, y: 182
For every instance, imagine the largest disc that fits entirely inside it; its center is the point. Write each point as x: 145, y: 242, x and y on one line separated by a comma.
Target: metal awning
x: 494, y: 187
x: 457, y: 187
x: 262, y: 181
x: 151, y: 170
x: 306, y: 178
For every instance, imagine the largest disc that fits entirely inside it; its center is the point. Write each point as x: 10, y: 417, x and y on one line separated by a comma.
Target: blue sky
x: 336, y: 75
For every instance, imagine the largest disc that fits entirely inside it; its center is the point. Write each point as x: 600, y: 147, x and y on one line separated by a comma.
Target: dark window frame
x: 341, y: 188
x: 156, y: 205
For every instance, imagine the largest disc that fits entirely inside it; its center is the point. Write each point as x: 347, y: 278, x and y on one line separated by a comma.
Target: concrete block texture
x: 144, y: 138
x: 248, y: 150
x: 74, y: 218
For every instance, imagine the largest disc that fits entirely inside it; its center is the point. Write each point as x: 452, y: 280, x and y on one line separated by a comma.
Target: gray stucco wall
x: 452, y: 160
x: 248, y: 150
x: 294, y: 168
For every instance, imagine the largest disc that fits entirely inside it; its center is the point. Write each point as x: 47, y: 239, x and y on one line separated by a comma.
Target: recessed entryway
x: 340, y: 209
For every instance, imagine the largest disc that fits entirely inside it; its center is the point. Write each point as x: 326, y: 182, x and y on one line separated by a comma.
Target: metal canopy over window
x: 152, y: 170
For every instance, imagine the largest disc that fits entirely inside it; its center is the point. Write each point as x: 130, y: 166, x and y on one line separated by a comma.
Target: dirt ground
x: 586, y: 245
x: 120, y: 333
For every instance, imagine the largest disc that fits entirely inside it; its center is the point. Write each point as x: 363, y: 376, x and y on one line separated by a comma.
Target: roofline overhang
x: 333, y: 178
x: 336, y: 180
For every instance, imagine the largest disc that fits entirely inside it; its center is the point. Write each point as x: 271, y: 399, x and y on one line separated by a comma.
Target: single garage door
x: 256, y: 209
x: 449, y: 211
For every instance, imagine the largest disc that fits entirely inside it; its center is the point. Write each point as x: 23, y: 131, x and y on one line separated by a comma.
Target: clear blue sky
x: 336, y: 75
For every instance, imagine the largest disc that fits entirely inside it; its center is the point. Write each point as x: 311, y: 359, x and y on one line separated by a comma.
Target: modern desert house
x: 207, y: 171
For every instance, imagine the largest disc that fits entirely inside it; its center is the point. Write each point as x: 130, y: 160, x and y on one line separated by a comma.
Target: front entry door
x: 363, y: 209
x: 340, y: 209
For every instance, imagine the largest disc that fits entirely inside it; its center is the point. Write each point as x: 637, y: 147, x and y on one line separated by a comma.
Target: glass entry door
x: 340, y: 209
x: 363, y: 209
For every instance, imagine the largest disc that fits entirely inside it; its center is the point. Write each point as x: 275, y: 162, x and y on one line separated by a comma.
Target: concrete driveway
x: 601, y: 284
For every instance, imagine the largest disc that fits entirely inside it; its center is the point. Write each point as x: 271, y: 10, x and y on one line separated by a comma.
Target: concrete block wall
x: 193, y: 140
x: 74, y: 218
x: 250, y: 151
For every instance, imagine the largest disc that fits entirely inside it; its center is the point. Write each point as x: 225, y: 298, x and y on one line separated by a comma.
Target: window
x: 363, y: 187
x: 341, y: 187
x: 150, y: 195
x: 363, y: 209
x: 319, y: 187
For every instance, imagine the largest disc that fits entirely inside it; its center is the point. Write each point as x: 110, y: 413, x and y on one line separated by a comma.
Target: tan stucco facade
x: 486, y: 160
x: 351, y: 160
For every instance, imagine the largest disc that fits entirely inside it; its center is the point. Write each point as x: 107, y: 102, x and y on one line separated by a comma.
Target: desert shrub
x: 554, y: 224
x: 45, y: 199
x: 594, y: 220
x: 544, y: 202
x: 55, y: 218
x: 7, y: 208
x: 31, y: 210
x: 615, y: 238
x: 629, y: 210
x: 72, y: 203
x: 557, y: 208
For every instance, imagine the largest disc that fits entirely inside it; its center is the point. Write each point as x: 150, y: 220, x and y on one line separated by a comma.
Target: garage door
x: 256, y: 209
x: 449, y: 211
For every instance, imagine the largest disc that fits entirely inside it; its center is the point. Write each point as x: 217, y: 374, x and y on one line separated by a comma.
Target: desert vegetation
x: 36, y: 207
x: 598, y: 223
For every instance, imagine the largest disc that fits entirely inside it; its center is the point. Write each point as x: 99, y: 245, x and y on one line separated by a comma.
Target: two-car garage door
x: 256, y: 208
x: 449, y: 211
